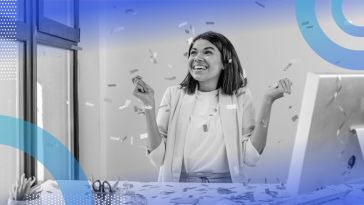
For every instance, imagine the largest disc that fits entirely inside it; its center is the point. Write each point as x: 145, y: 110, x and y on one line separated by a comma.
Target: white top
x: 204, y: 149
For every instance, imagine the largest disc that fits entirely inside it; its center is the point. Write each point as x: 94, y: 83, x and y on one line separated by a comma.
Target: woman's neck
x: 206, y: 87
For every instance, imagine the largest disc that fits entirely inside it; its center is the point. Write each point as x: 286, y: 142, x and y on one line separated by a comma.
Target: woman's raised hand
x: 278, y: 90
x: 143, y: 91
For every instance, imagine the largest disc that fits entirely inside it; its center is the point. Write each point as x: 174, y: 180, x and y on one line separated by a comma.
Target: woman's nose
x: 198, y: 57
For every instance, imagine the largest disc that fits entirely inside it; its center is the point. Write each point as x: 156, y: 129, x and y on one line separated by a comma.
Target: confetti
x: 115, y: 138
x: 231, y: 107
x: 111, y: 85
x: 205, y: 128
x: 259, y: 4
x: 189, y: 41
x: 130, y: 11
x: 126, y: 104
x: 287, y: 66
x: 108, y: 100
x: 170, y: 66
x: 224, y: 191
x: 153, y: 56
x: 340, y: 127
x: 185, y: 54
x: 147, y: 107
x: 192, y: 29
x: 117, y: 29
x: 210, y: 23
x: 265, y: 180
x: 131, y: 140
x: 124, y: 138
x: 290, y: 107
x: 309, y: 27
x: 144, y: 136
x: 89, y: 104
x: 351, y: 162
x: 187, y: 31
x: 182, y: 24
x: 170, y: 78
x: 134, y: 71
x: 162, y: 106
x: 305, y: 23
x: 294, y: 118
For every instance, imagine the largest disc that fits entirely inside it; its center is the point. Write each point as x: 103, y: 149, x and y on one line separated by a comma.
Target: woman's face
x: 205, y: 63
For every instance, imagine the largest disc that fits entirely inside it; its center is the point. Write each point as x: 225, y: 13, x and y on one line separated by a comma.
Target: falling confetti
x: 259, y: 4
x: 287, y: 66
x: 111, y: 85
x: 115, y: 138
x: 123, y: 139
x: 210, y: 23
x: 89, y: 104
x: 147, y: 107
x: 131, y: 140
x: 144, y: 136
x: 108, y: 100
x: 182, y: 24
x: 134, y: 71
x: 185, y: 54
x: 170, y: 78
x: 290, y: 107
x: 117, y: 29
x: 153, y: 56
x: 292, y: 62
x: 340, y: 127
x: 192, y: 29
x: 305, y: 23
x: 130, y: 11
x: 126, y: 104
x: 187, y: 31
x: 231, y: 107
x: 189, y: 41
x: 204, y: 128
x: 294, y: 118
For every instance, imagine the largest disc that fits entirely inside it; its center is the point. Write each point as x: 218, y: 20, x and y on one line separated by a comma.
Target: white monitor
x: 326, y: 150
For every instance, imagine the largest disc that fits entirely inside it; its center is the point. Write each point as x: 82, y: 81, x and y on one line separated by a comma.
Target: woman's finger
x: 284, y: 86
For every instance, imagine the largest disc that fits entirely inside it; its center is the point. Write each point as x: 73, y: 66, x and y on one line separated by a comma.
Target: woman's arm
x: 146, y: 94
x: 259, y: 136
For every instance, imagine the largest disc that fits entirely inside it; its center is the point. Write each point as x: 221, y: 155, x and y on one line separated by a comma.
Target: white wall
x: 265, y: 47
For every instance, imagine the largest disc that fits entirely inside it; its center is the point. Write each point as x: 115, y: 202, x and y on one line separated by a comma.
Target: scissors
x: 101, y: 187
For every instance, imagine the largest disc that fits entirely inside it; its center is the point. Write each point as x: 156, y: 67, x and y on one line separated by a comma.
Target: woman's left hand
x: 277, y: 91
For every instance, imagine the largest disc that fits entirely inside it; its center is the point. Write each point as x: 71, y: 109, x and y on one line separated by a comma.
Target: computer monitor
x: 329, y: 143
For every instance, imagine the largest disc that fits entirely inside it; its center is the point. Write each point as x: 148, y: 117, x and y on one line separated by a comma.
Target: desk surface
x: 202, y: 194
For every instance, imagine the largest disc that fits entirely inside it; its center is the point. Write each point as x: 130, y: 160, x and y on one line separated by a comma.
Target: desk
x: 202, y: 194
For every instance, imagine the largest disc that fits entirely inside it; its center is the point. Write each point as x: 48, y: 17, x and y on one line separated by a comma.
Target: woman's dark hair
x: 232, y: 76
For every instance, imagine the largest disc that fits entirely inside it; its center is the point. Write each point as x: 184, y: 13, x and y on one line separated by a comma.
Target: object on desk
x: 101, y: 187
x: 24, y: 190
x: 182, y: 201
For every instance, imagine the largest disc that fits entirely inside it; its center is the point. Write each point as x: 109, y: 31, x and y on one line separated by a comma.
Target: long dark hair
x: 232, y: 76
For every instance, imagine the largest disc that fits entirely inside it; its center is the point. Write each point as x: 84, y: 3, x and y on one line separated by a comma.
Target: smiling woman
x: 205, y: 130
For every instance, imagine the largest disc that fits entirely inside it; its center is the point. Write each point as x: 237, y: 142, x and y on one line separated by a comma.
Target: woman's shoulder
x: 243, y: 92
x: 176, y: 89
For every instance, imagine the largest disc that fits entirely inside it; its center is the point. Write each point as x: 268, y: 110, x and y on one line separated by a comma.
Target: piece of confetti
x: 126, y: 104
x: 144, y: 136
x: 259, y: 4
x: 123, y: 139
x: 287, y: 66
x: 170, y: 78
x: 147, y: 107
x: 117, y: 29
x: 340, y: 127
x: 114, y: 138
x: 210, y: 23
x: 290, y: 107
x: 187, y: 31
x: 108, y: 100
x: 162, y: 106
x: 189, y: 41
x: 205, y: 128
x: 294, y: 118
x: 185, y: 54
x: 231, y: 107
x: 89, y: 104
x: 305, y: 23
x: 130, y: 11
x: 153, y: 56
x: 134, y: 70
x: 192, y: 29
x: 131, y: 140
x: 111, y: 85
x: 182, y: 24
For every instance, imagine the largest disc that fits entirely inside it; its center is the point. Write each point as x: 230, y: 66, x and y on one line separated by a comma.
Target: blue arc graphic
x: 320, y: 43
x: 12, y: 134
x: 342, y: 21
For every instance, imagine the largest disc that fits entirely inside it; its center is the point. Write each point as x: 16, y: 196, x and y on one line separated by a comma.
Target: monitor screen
x: 326, y: 150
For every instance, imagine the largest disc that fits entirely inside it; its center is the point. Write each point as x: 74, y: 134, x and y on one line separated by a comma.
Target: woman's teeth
x: 199, y: 68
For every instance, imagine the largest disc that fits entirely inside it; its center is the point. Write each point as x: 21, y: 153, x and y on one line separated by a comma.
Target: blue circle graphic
x: 13, y: 134
x: 320, y: 43
x: 342, y: 22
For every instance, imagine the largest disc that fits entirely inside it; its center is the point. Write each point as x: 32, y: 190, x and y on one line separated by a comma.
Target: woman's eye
x: 193, y: 53
x: 208, y: 52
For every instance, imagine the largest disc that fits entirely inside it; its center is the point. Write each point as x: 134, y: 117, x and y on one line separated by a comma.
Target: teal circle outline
x: 13, y: 132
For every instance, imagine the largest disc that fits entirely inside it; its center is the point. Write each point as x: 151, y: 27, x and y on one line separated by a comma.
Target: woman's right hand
x: 144, y: 92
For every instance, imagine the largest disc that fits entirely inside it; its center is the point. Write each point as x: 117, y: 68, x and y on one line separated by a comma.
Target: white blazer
x: 237, y: 119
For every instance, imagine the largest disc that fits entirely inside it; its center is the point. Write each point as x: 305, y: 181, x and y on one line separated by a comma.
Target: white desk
x: 200, y: 194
